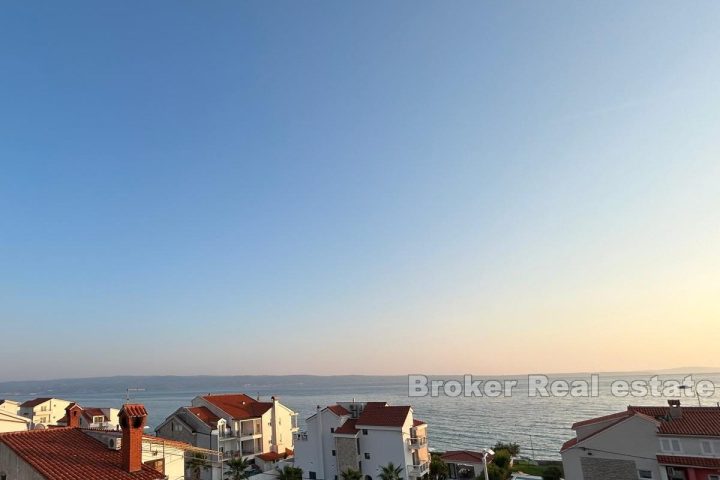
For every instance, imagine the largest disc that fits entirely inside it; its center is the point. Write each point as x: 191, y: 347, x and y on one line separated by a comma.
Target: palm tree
x: 236, y: 469
x: 390, y: 472
x: 351, y: 474
x: 290, y: 473
x: 197, y: 463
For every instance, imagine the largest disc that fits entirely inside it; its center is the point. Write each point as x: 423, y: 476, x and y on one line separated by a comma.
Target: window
x: 3, y: 476
x: 707, y: 448
x: 334, y: 453
x: 644, y: 474
x: 367, y: 456
x: 332, y: 430
x: 98, y: 419
x: 670, y: 445
x: 713, y: 477
x: 312, y: 476
x: 364, y: 431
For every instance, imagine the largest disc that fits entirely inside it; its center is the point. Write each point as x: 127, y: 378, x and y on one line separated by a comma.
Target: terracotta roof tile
x: 701, y: 462
x: 603, y: 418
x: 70, y: 454
x: 338, y: 410
x: 204, y: 414
x: 347, y: 428
x: 463, y: 456
x: 35, y: 402
x: 238, y: 405
x: 385, y: 416
x: 701, y: 421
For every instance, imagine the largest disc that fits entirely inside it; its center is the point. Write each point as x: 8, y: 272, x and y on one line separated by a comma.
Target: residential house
x: 666, y: 443
x: 44, y: 411
x: 235, y: 425
x: 10, y: 422
x: 363, y: 436
x: 464, y: 464
x: 72, y: 453
x: 10, y: 406
x: 92, y: 417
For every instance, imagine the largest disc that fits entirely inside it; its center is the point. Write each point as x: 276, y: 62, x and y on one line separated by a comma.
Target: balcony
x: 300, y: 436
x: 294, y: 422
x: 418, y: 470
x: 416, y: 442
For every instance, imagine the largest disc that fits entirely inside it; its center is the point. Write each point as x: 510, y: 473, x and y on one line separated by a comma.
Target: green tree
x: 196, y: 464
x: 390, y: 472
x: 438, y: 468
x: 290, y: 473
x: 511, y: 447
x: 496, y: 473
x: 502, y: 459
x: 351, y: 474
x: 552, y: 473
x: 236, y: 469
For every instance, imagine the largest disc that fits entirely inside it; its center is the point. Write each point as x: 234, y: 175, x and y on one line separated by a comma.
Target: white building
x: 664, y: 443
x: 9, y: 422
x: 363, y: 437
x: 44, y: 411
x: 10, y: 406
x: 104, y: 418
x: 235, y: 425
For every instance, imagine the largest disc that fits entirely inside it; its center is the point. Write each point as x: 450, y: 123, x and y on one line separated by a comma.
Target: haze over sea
x: 539, y: 425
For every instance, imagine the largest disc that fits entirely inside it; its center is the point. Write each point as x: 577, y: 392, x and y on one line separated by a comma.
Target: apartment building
x: 666, y: 443
x: 10, y: 406
x: 44, y: 411
x: 363, y: 436
x: 235, y: 425
x: 72, y: 453
x: 10, y: 422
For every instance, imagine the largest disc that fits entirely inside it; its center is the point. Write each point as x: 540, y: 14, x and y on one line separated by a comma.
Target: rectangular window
x: 312, y: 475
x: 334, y: 453
x: 644, y: 474
x: 332, y: 430
x: 707, y: 448
x: 367, y: 456
x: 364, y: 431
x: 670, y: 445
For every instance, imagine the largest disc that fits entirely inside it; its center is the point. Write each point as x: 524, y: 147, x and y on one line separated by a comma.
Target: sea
x: 457, y: 418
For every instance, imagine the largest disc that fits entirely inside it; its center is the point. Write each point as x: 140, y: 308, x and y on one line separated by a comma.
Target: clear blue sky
x: 358, y: 187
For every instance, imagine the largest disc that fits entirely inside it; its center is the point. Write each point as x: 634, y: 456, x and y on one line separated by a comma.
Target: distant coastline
x: 178, y: 383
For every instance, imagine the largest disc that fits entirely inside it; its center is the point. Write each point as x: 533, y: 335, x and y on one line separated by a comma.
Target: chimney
x: 675, y: 409
x: 73, y: 413
x: 132, y: 421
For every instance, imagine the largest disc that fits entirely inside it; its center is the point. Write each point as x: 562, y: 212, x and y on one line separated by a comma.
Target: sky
x: 325, y: 187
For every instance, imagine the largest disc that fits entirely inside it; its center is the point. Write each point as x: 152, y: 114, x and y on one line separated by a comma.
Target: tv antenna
x: 128, y: 390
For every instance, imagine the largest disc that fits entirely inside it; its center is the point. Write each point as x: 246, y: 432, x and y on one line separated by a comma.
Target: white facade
x: 9, y: 422
x: 345, y: 436
x: 44, y: 411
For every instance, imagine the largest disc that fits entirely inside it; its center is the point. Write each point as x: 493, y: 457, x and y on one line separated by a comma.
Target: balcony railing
x: 416, y: 442
x: 300, y: 436
x: 419, y: 470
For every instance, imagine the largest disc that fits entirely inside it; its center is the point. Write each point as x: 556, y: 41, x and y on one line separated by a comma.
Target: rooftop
x: 70, y: 454
x: 238, y: 405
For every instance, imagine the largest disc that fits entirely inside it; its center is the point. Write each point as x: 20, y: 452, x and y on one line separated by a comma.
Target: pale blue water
x: 539, y: 425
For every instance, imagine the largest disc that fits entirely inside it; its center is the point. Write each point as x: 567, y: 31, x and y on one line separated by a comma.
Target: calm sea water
x: 539, y: 425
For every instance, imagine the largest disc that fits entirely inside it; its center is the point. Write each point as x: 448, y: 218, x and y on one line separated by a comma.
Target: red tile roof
x: 590, y: 421
x: 70, y: 454
x: 338, y: 410
x: 275, y: 456
x: 238, y: 405
x: 417, y: 423
x: 701, y: 421
x: 204, y: 414
x: 347, y: 428
x: 385, y: 416
x: 570, y: 443
x: 701, y: 462
x: 463, y: 456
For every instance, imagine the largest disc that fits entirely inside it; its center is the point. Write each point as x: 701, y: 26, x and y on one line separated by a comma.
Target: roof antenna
x: 128, y: 390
